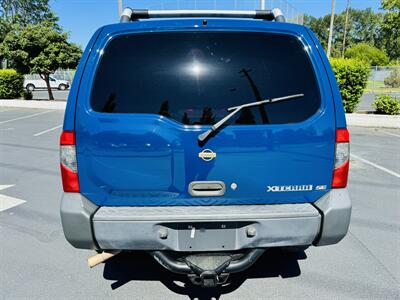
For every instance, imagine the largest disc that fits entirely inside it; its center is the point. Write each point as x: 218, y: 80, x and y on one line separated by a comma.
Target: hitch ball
x: 251, y: 231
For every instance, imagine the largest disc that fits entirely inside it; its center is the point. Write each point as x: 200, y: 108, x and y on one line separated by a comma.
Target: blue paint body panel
x: 149, y: 160
x: 69, y: 117
x: 337, y: 98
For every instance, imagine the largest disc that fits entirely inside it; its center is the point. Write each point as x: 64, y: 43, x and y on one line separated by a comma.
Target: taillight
x: 342, y: 156
x: 69, y: 167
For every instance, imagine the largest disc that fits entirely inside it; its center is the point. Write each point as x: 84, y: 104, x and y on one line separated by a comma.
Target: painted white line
x: 59, y: 105
x: 376, y: 166
x: 389, y: 133
x: 6, y: 109
x: 5, y: 186
x: 26, y: 117
x: 47, y: 130
x: 7, y: 202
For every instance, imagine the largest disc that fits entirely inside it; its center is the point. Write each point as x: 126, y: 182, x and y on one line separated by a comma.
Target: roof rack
x: 130, y: 14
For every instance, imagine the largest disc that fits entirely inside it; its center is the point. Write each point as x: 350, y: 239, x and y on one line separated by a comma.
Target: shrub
x: 385, y: 104
x: 352, y: 76
x: 368, y: 53
x: 393, y: 80
x: 27, y: 95
x: 11, y: 84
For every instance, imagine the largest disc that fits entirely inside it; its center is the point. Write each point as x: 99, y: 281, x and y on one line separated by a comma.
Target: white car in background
x: 38, y: 83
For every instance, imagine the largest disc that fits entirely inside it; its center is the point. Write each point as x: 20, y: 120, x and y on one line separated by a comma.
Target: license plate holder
x: 212, y: 236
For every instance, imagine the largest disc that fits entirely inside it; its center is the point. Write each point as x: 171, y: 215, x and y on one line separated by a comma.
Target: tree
x: 25, y: 12
x: 393, y: 80
x: 364, y: 26
x: 22, y: 13
x: 368, y: 53
x: 40, y: 49
x: 320, y: 26
x: 391, y: 28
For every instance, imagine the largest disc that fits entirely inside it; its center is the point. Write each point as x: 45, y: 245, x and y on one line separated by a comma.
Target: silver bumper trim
x: 335, y: 208
x: 88, y: 226
x: 218, y: 227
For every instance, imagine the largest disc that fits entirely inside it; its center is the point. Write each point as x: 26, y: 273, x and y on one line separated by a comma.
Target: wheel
x: 30, y: 87
x: 62, y: 87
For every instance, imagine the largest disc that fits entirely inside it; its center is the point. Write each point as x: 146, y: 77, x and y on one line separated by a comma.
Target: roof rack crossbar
x: 130, y: 14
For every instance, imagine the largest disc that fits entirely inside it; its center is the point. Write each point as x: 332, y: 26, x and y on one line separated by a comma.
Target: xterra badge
x: 289, y: 188
x: 207, y: 155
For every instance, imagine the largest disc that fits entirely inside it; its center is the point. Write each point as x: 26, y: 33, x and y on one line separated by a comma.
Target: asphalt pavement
x: 42, y: 94
x: 36, y: 261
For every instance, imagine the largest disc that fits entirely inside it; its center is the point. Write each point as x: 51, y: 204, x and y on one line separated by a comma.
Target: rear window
x: 193, y: 78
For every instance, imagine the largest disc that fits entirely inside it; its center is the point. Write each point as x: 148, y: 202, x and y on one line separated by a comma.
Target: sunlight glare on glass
x: 196, y: 69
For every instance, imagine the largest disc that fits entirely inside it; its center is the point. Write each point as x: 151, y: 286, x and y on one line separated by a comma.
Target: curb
x: 33, y: 104
x: 370, y: 120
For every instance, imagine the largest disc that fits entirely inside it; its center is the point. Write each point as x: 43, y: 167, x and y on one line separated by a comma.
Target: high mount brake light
x: 342, y: 158
x: 68, y: 164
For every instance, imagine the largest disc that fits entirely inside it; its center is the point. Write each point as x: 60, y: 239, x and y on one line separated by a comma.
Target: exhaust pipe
x: 101, y: 257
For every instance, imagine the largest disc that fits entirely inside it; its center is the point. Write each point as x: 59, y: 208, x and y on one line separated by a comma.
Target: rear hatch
x: 152, y: 95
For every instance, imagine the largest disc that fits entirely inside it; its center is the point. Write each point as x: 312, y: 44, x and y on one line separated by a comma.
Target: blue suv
x: 204, y: 138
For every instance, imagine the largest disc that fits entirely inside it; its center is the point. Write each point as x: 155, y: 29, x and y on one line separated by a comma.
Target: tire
x: 30, y: 87
x: 62, y: 87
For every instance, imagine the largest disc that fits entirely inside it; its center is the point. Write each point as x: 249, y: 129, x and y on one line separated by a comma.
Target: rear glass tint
x: 193, y: 78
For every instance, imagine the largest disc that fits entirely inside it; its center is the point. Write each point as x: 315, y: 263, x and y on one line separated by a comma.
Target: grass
x: 378, y: 86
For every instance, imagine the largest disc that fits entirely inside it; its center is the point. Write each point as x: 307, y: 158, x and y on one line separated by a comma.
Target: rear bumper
x: 205, y: 228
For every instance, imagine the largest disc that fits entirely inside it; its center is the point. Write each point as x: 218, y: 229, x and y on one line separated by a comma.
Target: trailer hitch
x: 208, y: 279
x: 208, y: 269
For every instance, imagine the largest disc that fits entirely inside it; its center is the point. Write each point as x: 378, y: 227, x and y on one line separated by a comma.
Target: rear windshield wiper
x: 236, y: 109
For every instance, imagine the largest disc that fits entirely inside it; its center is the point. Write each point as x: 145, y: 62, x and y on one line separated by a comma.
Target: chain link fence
x: 384, y: 79
x: 67, y: 74
x: 292, y: 14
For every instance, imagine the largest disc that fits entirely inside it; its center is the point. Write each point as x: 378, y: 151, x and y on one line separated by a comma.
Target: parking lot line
x: 376, y: 166
x: 47, y: 130
x: 26, y: 117
x: 389, y: 133
x: 7, y: 202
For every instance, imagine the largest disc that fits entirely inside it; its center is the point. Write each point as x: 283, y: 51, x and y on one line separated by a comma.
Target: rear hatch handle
x: 234, y: 109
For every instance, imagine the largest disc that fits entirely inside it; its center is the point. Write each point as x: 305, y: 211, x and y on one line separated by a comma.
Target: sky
x: 80, y: 18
